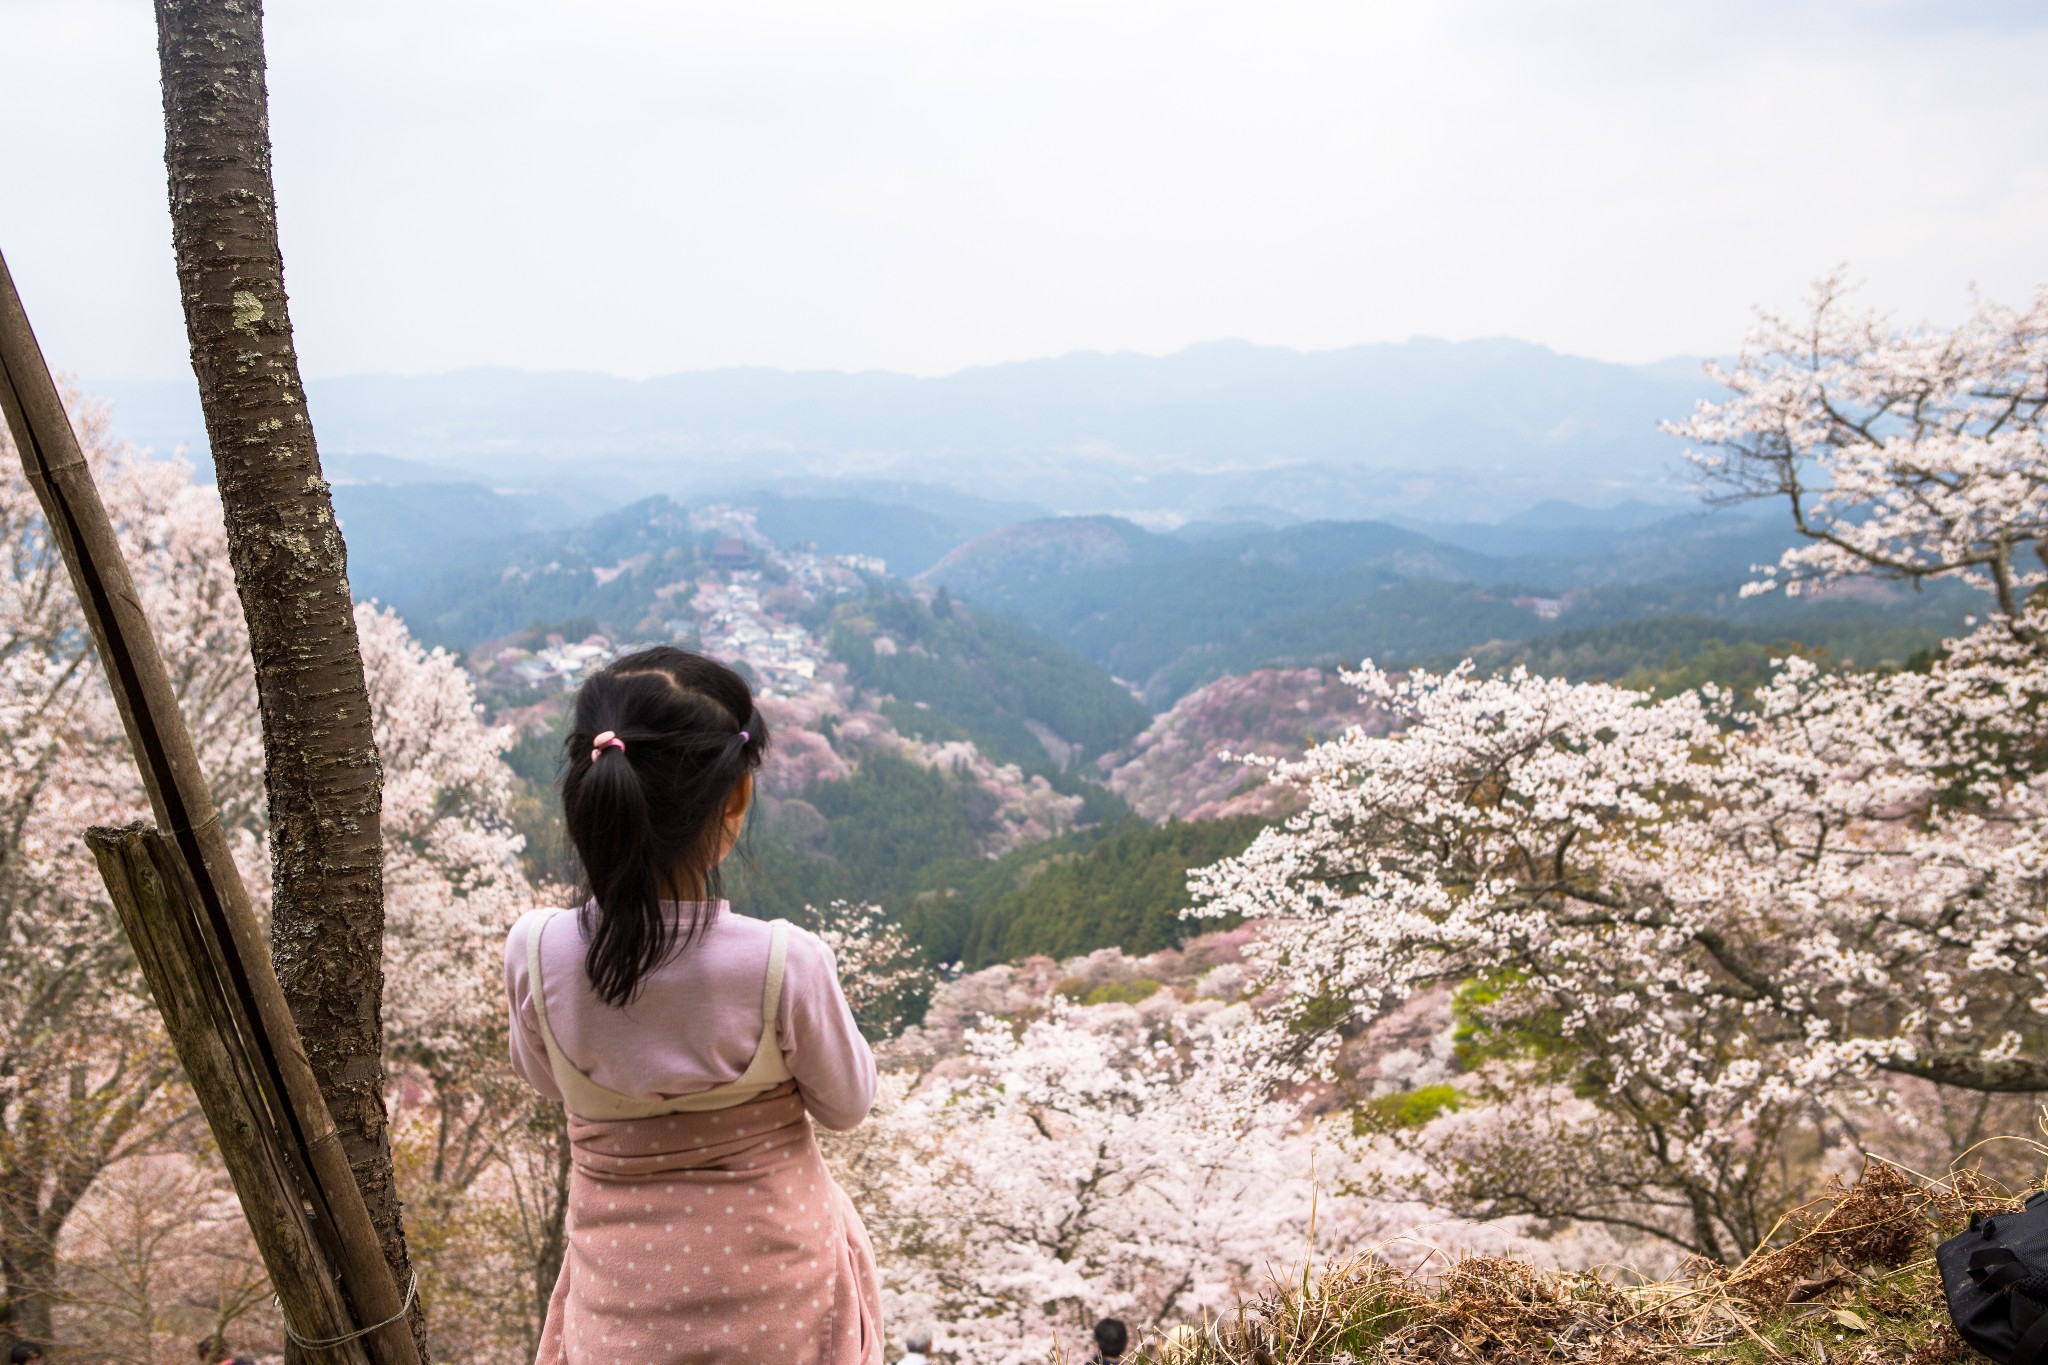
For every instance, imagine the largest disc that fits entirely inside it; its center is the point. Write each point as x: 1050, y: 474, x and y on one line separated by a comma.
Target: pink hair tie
x: 607, y: 740
x: 744, y: 736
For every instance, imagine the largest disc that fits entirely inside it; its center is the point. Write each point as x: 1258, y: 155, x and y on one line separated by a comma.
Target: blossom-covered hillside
x: 1186, y: 766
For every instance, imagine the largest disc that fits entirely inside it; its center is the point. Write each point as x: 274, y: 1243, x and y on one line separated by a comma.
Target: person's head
x: 918, y: 1340
x: 661, y: 754
x: 1111, y: 1337
x: 24, y: 1353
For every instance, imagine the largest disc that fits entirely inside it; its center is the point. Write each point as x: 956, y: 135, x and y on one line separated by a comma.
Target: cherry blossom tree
x: 1720, y: 927
x: 158, y: 1256
x: 1086, y: 1161
x: 86, y: 1076
x: 88, y: 1079
x: 1920, y: 453
x: 1913, y: 452
x: 881, y: 972
x: 452, y: 884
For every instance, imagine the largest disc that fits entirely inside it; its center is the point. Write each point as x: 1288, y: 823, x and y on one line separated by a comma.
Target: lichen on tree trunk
x: 320, y: 755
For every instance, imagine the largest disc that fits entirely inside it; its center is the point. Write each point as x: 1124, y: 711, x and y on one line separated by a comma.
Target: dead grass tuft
x: 1848, y: 1280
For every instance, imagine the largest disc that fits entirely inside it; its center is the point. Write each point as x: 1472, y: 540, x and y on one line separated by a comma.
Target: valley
x: 961, y: 711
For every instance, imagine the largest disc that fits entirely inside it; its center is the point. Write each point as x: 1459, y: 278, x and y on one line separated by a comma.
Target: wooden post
x: 296, y: 1123
x: 190, y: 972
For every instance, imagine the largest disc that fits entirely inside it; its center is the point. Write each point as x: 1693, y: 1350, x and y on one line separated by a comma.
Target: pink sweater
x: 696, y: 1020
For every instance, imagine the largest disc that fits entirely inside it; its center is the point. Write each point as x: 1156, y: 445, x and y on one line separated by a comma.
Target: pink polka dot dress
x: 703, y: 1227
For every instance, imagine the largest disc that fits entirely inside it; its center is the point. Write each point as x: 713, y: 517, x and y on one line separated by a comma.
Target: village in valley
x: 723, y: 610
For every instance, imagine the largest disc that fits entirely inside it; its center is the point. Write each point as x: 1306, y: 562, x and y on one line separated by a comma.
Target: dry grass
x: 1849, y: 1280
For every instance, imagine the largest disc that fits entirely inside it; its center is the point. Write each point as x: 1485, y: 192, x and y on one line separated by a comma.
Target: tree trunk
x: 320, y: 756
x: 57, y: 1141
x: 31, y: 1270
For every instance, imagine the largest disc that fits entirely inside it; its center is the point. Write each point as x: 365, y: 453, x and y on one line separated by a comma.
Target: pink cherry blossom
x: 1724, y: 926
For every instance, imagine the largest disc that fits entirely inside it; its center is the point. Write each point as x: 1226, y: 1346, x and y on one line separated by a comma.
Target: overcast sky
x: 643, y: 186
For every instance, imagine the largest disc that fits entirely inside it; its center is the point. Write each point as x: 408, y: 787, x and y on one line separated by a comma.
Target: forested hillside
x: 1189, y: 764
x: 1170, y: 612
x: 1686, y: 650
x: 1121, y: 887
x: 908, y: 526
x: 605, y: 571
x: 1163, y: 612
x: 1121, y: 883
x: 404, y: 535
x: 995, y: 681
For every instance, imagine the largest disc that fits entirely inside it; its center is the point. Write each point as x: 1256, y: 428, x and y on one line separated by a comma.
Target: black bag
x: 1996, y: 1279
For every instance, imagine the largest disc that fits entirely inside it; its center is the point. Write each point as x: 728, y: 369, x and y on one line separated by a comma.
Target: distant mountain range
x: 1227, y: 431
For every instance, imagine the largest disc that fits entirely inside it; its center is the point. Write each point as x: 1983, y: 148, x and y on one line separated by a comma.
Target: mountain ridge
x: 1448, y: 430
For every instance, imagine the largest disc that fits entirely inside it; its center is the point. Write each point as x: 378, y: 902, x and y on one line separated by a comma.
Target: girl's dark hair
x: 645, y: 819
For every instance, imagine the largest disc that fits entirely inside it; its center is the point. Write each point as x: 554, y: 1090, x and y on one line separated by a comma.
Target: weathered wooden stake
x: 291, y: 1130
x: 191, y: 974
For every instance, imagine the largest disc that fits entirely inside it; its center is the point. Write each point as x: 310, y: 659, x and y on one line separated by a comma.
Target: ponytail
x: 659, y: 742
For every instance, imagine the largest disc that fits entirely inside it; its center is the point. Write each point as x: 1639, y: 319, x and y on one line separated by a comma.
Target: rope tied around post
x: 412, y: 1289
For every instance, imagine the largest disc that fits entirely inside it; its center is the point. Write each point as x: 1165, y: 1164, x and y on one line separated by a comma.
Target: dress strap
x: 771, y: 989
x: 556, y: 1061
x: 768, y: 1066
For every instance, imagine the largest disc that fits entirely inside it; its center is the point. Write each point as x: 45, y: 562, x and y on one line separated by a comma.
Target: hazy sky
x: 642, y: 186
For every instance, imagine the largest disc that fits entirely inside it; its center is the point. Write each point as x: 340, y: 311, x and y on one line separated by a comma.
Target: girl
x: 691, y: 1047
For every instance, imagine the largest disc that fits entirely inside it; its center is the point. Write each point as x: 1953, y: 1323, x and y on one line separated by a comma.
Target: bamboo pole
x: 295, y: 1116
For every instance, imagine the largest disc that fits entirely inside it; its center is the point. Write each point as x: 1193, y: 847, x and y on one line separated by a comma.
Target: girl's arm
x: 834, y: 1069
